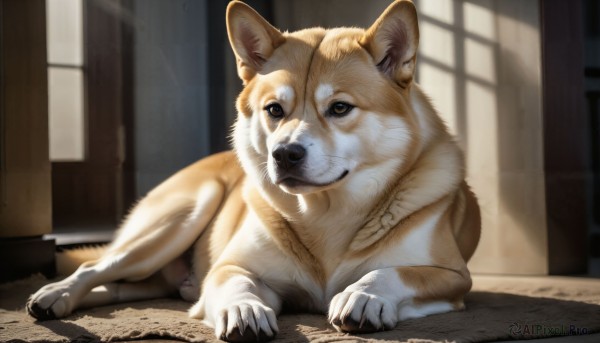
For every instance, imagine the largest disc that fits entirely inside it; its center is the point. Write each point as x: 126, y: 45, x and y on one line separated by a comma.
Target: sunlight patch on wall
x: 441, y: 87
x: 479, y: 19
x: 438, y: 10
x: 481, y: 109
x: 437, y: 43
x: 479, y: 60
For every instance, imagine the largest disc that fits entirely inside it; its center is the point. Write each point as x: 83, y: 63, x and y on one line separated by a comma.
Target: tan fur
x: 363, y: 215
x: 437, y: 284
x: 67, y: 261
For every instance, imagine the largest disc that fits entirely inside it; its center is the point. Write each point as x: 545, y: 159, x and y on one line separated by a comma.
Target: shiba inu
x: 344, y: 195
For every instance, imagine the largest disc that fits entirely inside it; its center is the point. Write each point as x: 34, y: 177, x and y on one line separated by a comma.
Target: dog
x: 344, y: 195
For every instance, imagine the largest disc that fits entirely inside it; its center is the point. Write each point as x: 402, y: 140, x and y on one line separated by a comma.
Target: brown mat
x: 499, y: 308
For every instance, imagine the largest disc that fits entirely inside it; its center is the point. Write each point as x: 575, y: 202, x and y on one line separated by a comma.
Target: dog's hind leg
x: 169, y: 230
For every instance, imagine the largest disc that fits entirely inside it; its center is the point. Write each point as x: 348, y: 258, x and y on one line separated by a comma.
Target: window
x: 66, y: 73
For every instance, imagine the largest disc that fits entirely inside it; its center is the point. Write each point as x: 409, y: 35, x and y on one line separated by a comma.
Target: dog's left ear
x: 252, y: 38
x: 393, y: 40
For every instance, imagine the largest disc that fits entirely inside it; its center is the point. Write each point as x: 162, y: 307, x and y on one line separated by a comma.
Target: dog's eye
x: 339, y: 109
x: 275, y: 111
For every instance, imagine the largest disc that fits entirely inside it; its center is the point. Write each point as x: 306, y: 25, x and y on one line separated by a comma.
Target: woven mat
x: 498, y: 308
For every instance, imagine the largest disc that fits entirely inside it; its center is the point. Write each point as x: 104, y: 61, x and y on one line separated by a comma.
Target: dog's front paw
x: 50, y: 302
x: 248, y: 321
x: 360, y: 312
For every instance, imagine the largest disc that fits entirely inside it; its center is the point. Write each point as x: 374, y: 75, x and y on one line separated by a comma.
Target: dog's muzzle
x: 289, y: 160
x: 288, y: 156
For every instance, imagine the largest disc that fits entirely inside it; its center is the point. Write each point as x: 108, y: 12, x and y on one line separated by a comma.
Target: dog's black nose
x: 288, y: 156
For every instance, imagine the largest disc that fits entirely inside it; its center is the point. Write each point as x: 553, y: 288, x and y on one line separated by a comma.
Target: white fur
x: 323, y: 92
x: 410, y: 310
x: 236, y: 304
x: 285, y: 93
x: 254, y: 237
x: 374, y: 298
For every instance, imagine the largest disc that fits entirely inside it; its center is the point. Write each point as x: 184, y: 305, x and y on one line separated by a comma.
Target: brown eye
x: 275, y: 111
x: 339, y: 109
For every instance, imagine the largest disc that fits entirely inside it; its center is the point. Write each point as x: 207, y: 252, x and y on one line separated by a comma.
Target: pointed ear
x: 252, y: 38
x: 393, y: 40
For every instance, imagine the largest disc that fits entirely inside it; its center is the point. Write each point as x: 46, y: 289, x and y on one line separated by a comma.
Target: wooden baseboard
x: 21, y: 257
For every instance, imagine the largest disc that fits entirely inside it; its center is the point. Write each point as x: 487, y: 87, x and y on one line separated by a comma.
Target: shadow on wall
x: 480, y: 62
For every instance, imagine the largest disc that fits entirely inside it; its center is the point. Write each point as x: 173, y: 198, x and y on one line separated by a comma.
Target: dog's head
x: 322, y: 108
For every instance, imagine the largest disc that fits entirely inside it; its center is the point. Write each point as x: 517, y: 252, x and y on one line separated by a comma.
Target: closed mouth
x: 295, y: 181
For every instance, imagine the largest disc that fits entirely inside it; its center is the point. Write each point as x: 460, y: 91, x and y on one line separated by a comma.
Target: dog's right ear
x: 252, y: 38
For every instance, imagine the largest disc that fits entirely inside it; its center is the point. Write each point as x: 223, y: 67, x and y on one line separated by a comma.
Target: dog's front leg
x: 382, y: 297
x: 238, y: 305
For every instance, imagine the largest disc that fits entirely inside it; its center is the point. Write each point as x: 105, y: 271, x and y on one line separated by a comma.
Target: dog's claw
x: 352, y: 326
x: 359, y: 312
x: 39, y: 313
x: 246, y: 322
